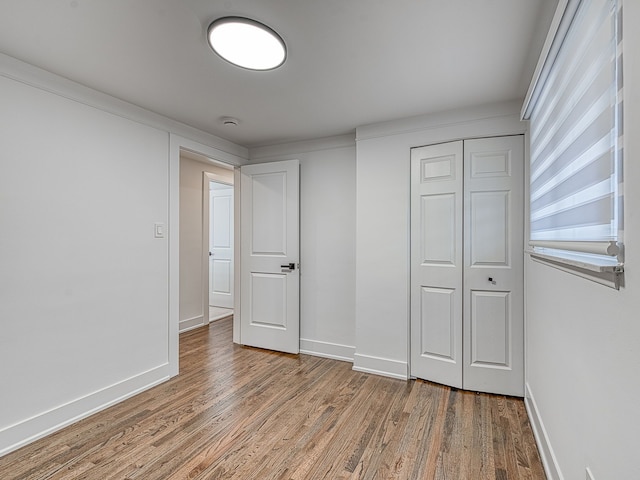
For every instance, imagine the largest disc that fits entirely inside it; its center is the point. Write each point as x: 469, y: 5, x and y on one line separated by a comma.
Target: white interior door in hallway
x: 269, y: 262
x: 467, y: 208
x: 220, y: 245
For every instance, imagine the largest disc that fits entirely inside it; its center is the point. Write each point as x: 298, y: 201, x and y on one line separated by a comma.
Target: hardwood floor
x: 236, y: 412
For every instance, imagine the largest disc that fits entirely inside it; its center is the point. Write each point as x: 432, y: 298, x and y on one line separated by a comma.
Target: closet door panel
x: 437, y: 323
x: 438, y: 245
x: 436, y: 263
x: 490, y: 329
x: 493, y: 265
x: 489, y: 228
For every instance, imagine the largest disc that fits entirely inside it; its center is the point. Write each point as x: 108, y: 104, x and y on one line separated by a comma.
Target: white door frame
x: 177, y: 143
x: 206, y: 219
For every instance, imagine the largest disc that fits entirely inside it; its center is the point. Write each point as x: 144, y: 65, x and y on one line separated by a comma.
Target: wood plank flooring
x: 236, y: 412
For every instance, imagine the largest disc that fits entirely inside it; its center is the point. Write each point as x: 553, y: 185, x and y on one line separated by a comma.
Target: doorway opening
x: 207, y: 240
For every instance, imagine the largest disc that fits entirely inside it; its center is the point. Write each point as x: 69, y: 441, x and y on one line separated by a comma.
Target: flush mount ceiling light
x: 247, y: 43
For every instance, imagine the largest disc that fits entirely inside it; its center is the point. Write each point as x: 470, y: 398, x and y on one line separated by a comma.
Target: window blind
x: 574, y: 112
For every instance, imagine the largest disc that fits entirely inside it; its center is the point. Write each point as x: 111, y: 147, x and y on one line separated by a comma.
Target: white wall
x: 382, y: 224
x: 583, y: 339
x: 193, y: 270
x: 84, y: 281
x: 85, y: 309
x: 327, y: 242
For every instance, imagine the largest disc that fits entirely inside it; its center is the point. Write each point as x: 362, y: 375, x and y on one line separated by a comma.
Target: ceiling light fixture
x: 247, y: 43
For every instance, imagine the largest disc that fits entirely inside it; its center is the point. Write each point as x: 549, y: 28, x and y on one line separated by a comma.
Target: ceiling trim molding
x: 200, y: 152
x: 19, y: 71
x: 438, y: 120
x: 305, y: 146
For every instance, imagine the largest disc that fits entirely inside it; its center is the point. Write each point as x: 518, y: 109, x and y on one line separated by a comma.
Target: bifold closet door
x: 436, y: 263
x: 466, y: 264
x: 493, y: 277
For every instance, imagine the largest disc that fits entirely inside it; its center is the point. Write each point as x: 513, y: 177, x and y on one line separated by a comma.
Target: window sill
x: 605, y: 271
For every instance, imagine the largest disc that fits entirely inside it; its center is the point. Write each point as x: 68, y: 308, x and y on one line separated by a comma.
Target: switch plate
x: 158, y: 230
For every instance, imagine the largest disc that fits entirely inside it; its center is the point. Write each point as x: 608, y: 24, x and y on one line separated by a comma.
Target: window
x: 575, y: 110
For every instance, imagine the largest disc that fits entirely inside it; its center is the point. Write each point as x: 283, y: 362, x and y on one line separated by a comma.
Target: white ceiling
x: 350, y: 62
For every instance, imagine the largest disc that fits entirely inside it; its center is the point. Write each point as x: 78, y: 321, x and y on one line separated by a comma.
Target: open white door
x: 221, y: 245
x: 269, y: 258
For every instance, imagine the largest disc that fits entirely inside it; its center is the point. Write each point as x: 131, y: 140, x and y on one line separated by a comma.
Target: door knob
x: 492, y: 280
x: 288, y: 267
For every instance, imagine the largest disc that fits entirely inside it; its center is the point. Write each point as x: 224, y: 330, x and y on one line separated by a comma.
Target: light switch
x: 158, y: 230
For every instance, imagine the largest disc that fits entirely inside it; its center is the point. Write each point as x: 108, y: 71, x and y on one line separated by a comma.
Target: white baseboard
x: 380, y: 366
x: 43, y: 424
x: 191, y: 323
x: 335, y: 351
x: 549, y: 462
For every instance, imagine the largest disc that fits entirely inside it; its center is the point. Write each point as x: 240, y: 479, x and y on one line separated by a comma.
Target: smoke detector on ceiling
x: 229, y: 121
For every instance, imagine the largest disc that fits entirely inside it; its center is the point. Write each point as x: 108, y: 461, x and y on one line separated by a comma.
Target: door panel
x: 269, y: 207
x: 438, y: 245
x: 269, y: 314
x: 268, y: 300
x: 221, y: 280
x: 489, y: 223
x: 490, y: 326
x: 493, y: 270
x: 437, y: 311
x: 221, y: 245
x: 489, y: 164
x: 436, y: 265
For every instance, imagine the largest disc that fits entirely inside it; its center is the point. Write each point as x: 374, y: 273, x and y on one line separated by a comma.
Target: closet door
x: 493, y: 265
x: 436, y: 263
x: 467, y: 264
